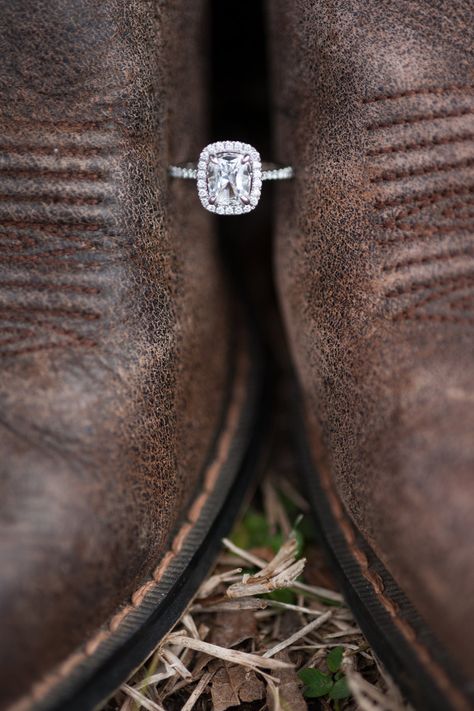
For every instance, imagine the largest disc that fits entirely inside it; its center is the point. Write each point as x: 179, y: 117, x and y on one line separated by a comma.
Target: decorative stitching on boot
x: 392, y: 175
x: 462, y: 300
x: 425, y: 198
x: 436, y: 91
x: 428, y: 260
x: 459, y: 282
x: 435, y: 115
x: 62, y: 150
x: 58, y: 228
x: 41, y: 172
x: 411, y: 232
x: 441, y: 318
x: 420, y: 145
x: 52, y: 199
x: 47, y: 286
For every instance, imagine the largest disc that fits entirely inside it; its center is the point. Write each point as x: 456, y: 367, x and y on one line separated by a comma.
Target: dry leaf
x: 232, y: 685
x: 232, y: 628
x: 289, y: 622
x: 253, y: 689
x: 287, y: 695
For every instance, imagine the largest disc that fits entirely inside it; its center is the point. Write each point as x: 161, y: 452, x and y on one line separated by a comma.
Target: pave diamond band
x: 229, y: 176
x: 270, y: 171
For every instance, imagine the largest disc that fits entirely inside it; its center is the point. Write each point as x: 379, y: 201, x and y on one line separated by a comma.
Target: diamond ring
x: 229, y: 176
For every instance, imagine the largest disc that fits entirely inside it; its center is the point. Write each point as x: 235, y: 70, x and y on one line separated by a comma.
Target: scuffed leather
x: 374, y: 106
x: 114, y: 321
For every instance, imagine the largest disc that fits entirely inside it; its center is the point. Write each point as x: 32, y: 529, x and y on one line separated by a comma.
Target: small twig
x: 368, y: 696
x: 310, y: 627
x: 296, y: 585
x: 156, y: 678
x: 301, y: 647
x: 201, y: 685
x: 176, y: 663
x: 141, y: 698
x: 260, y: 585
x: 214, y: 581
x: 349, y: 632
x: 242, y: 603
x: 275, y: 693
x: 295, y: 608
x: 253, y: 661
x: 128, y: 704
x: 190, y: 625
x: 244, y: 555
x: 318, y: 592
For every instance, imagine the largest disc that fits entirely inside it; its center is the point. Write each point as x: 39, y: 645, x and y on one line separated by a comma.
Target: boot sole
x: 90, y: 675
x: 412, y: 655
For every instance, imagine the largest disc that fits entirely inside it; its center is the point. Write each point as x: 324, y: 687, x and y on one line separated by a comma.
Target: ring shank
x: 270, y: 171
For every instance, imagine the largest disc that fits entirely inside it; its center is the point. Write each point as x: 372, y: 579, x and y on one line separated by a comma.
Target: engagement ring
x: 229, y: 176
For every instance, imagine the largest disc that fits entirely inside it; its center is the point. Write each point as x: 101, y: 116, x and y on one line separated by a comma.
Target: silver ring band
x: 229, y: 176
x: 270, y: 171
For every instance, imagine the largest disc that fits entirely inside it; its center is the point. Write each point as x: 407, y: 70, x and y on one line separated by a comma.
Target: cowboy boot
x: 127, y: 381
x: 373, y: 105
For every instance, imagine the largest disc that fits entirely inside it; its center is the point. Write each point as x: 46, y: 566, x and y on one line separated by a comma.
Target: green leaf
x: 240, y: 536
x: 252, y: 531
x: 334, y: 659
x: 300, y: 542
x: 316, y: 683
x: 330, y: 603
x: 283, y: 595
x: 276, y: 541
x: 257, y: 528
x: 308, y: 529
x: 340, y: 690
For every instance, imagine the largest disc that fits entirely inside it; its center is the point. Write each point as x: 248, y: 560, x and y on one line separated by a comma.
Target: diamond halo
x: 229, y: 177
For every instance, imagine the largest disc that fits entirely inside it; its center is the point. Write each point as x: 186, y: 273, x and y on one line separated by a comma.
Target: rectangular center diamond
x: 229, y: 178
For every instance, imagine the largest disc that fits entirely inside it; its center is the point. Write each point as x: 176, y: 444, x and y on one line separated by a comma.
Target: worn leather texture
x: 114, y: 318
x: 374, y: 106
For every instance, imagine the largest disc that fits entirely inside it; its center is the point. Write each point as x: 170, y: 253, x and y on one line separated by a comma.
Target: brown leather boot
x: 127, y: 386
x: 374, y: 107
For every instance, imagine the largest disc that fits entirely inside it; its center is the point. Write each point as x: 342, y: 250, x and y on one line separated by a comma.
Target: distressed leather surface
x: 374, y: 105
x: 114, y: 322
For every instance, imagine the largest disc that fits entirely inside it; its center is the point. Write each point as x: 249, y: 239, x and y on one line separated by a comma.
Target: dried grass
x: 268, y: 640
